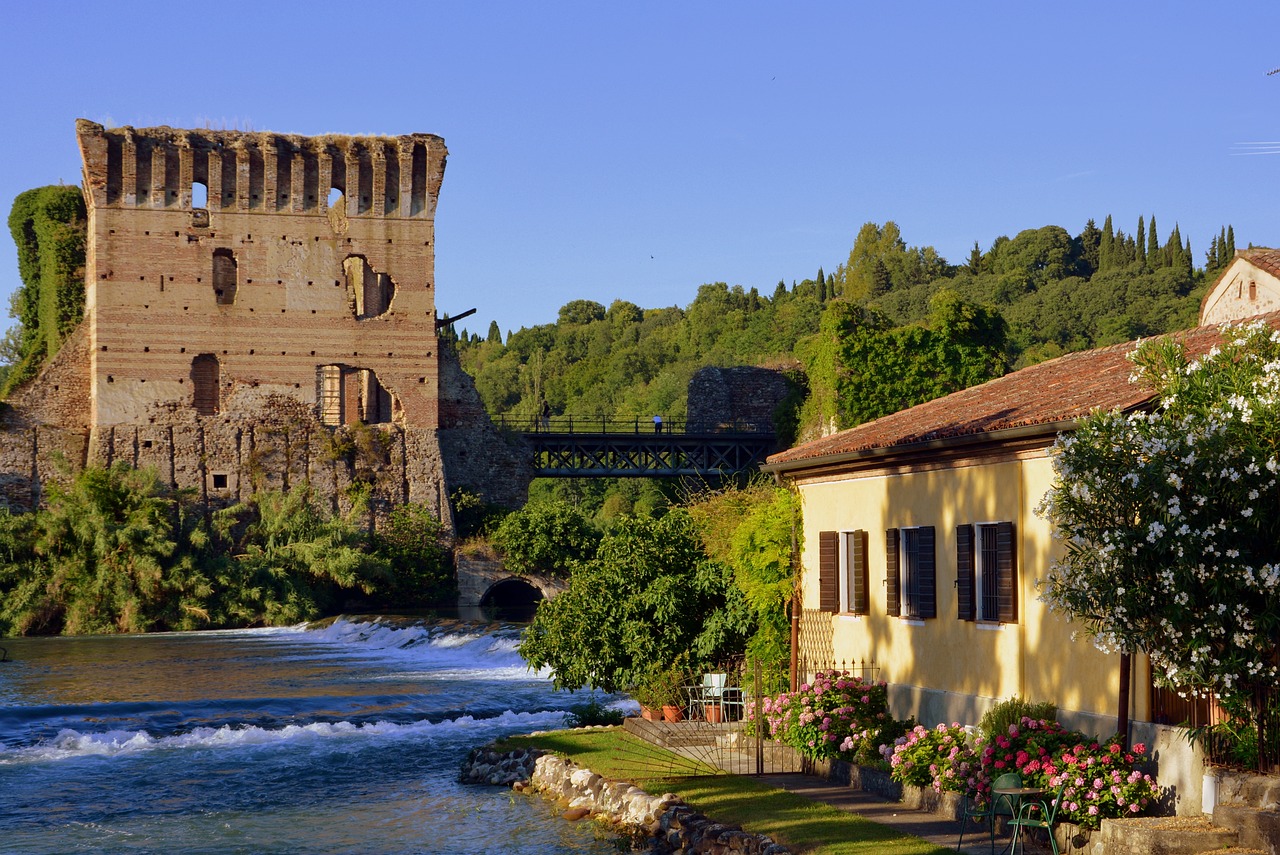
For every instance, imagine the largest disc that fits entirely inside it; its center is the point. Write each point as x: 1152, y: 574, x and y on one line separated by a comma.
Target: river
x: 345, y: 739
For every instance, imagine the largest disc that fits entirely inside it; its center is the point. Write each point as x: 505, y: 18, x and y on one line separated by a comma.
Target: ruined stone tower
x: 260, y: 312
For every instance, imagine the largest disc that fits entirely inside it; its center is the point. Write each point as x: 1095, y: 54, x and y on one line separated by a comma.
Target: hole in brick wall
x: 104, y: 347
x: 251, y: 351
x: 422, y: 379
x: 313, y: 311
x: 182, y: 350
x: 219, y: 481
x: 110, y: 379
x: 225, y: 276
x: 146, y: 350
x: 279, y: 281
x: 205, y: 374
x: 146, y: 443
x: 175, y: 234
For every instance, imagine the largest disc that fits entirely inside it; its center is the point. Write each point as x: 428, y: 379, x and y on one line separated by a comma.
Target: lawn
x: 803, y: 825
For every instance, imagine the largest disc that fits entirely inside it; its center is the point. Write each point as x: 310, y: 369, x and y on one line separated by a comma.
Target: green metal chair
x: 995, y: 804
x: 1037, y: 813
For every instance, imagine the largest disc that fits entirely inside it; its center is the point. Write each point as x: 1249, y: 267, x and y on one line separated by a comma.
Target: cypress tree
x: 1188, y: 258
x: 780, y: 293
x: 1224, y: 257
x: 1107, y: 246
x: 1231, y: 245
x: 1090, y: 241
x: 1140, y: 243
x: 1211, y: 257
x: 1153, y: 245
x: 495, y: 334
x: 975, y: 259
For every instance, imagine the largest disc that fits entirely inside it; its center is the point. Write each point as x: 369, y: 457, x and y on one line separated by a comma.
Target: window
x: 986, y: 573
x: 219, y: 481
x: 910, y: 572
x: 854, y: 594
x: 829, y: 571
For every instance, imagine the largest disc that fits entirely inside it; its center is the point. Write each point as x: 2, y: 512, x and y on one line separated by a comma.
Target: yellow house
x: 922, y: 545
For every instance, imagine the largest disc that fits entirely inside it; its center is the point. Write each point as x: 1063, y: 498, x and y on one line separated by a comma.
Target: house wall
x: 1243, y: 291
x: 946, y: 669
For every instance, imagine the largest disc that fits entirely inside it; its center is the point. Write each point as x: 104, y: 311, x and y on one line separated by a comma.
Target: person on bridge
x: 546, y: 416
x: 657, y: 424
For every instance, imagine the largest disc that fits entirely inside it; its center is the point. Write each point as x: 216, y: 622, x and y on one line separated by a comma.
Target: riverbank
x: 757, y: 806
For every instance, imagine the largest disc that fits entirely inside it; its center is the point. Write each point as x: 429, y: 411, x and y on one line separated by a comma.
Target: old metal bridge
x: 566, y: 447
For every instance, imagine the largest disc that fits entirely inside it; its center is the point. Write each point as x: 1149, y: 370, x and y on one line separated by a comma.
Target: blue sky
x: 637, y: 150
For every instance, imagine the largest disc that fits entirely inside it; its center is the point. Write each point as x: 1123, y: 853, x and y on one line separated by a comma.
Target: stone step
x: 1257, y: 827
x: 1164, y: 835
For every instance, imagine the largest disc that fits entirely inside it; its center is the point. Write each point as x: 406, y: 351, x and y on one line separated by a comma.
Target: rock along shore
x: 655, y: 824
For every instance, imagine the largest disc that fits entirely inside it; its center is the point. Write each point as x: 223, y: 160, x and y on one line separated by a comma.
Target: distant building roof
x: 1052, y: 395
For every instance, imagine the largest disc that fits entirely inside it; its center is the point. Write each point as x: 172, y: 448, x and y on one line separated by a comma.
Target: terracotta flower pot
x: 650, y: 714
x: 672, y: 713
x: 713, y: 713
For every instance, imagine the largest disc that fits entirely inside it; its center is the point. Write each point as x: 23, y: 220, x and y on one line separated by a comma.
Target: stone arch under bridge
x: 488, y: 591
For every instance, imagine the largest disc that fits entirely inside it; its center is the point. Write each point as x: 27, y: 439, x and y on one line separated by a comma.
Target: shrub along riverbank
x: 117, y: 551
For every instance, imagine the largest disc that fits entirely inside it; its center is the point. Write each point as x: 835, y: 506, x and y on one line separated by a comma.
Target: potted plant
x: 662, y: 688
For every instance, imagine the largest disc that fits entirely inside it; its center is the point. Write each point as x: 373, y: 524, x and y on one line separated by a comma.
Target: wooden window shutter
x: 860, y: 596
x: 829, y: 571
x: 964, y: 572
x: 1006, y: 573
x: 892, y: 571
x: 928, y: 574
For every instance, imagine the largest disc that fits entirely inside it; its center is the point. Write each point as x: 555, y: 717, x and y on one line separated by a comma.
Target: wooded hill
x: 891, y: 327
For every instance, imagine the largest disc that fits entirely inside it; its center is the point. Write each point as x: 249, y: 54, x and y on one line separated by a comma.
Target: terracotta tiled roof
x: 1060, y: 390
x: 1264, y: 258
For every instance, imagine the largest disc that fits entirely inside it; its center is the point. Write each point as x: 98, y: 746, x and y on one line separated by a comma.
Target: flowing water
x: 346, y: 739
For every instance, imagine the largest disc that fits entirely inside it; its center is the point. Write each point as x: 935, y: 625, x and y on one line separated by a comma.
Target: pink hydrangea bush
x: 837, y: 715
x: 1100, y: 778
x: 942, y: 758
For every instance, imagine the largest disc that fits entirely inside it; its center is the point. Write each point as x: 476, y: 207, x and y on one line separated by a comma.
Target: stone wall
x: 664, y: 823
x: 727, y: 396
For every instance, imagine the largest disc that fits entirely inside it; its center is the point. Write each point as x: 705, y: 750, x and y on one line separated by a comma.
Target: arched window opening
x: 205, y: 376
x: 1253, y: 290
x: 369, y: 291
x: 392, y: 184
x: 418, y: 181
x: 336, y: 199
x: 199, y: 195
x: 225, y: 276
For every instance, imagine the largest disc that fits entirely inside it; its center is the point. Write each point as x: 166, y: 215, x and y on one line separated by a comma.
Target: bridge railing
x: 636, y: 425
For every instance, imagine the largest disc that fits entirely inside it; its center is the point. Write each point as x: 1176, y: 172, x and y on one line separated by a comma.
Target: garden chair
x: 971, y: 810
x: 1037, y: 813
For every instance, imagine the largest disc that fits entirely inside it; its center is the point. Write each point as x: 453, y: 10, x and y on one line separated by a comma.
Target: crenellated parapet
x: 262, y: 172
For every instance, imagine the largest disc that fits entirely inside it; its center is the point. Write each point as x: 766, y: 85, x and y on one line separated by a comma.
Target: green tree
x: 550, y: 537
x: 48, y: 225
x: 495, y: 333
x: 1170, y: 547
x: 752, y: 530
x: 649, y: 600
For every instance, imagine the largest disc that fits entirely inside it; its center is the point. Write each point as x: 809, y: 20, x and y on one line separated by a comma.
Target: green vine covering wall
x: 49, y: 227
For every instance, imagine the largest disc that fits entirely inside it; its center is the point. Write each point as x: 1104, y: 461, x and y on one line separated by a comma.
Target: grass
x: 803, y: 825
